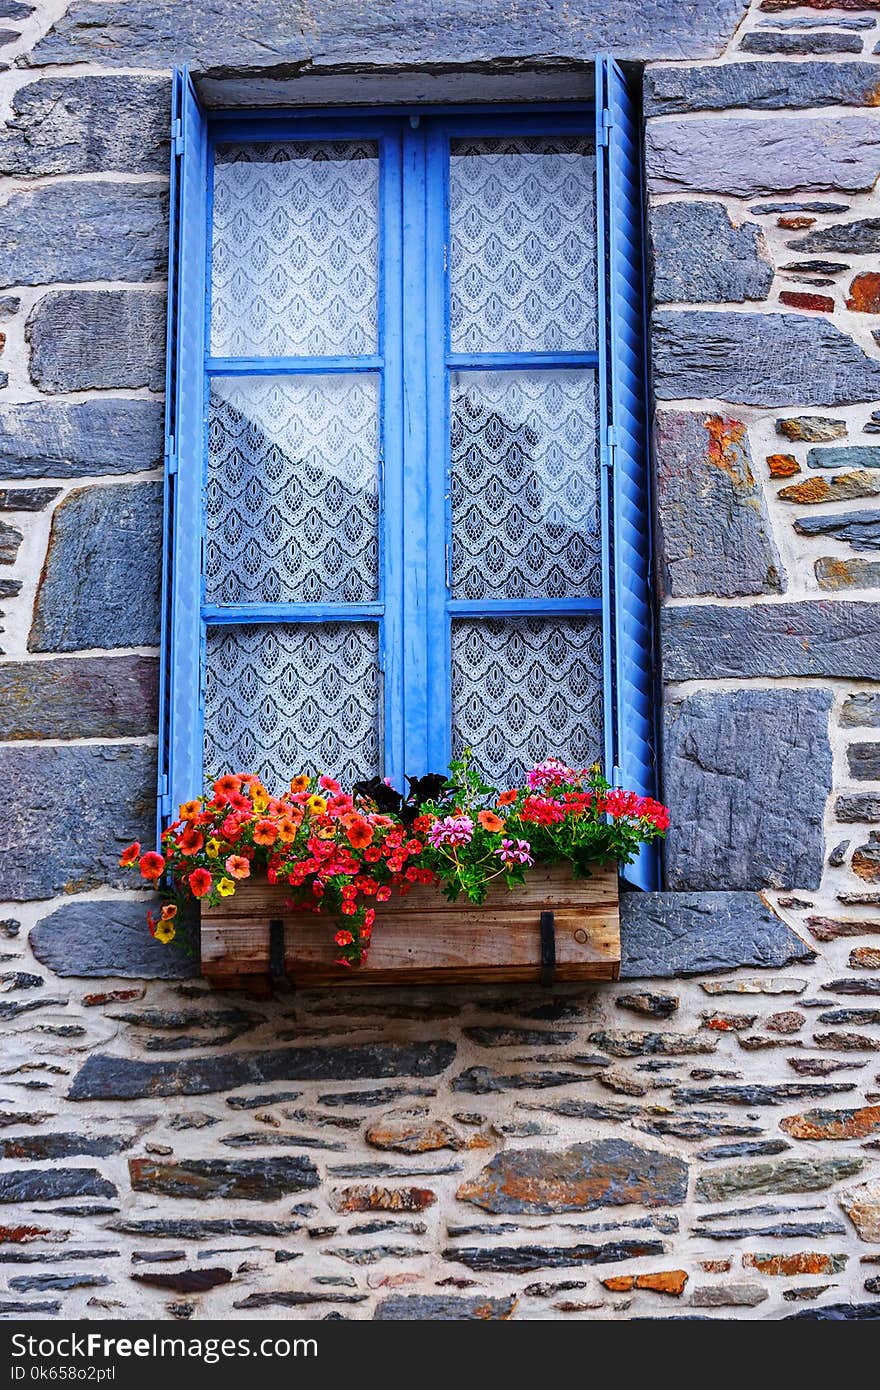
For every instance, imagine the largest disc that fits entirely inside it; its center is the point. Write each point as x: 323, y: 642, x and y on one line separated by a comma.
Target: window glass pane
x: 522, y: 267
x: 525, y: 497
x: 298, y: 697
x: 292, y: 501
x: 294, y: 266
x: 524, y: 689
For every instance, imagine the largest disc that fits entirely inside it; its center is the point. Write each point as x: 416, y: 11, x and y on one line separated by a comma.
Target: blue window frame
x: 406, y: 440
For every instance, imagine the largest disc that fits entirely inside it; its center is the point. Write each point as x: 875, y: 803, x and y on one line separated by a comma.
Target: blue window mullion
x: 439, y: 529
x: 391, y: 500
x: 510, y: 361
x: 292, y: 366
x: 184, y: 676
x: 416, y: 581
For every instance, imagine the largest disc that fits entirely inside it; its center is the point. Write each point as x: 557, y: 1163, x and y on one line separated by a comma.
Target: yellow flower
x: 165, y: 932
x: 300, y: 783
x: 212, y: 849
x: 260, y: 802
x: 226, y: 887
x: 316, y: 804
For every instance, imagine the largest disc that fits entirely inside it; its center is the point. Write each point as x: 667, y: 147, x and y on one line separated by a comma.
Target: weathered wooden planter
x: 555, y: 927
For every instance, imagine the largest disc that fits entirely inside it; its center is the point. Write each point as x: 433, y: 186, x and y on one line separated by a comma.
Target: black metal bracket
x: 548, y: 948
x: 276, y: 949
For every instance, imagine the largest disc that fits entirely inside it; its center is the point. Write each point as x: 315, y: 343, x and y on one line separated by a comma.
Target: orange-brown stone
x: 864, y: 293
x: 832, y: 1124
x: 816, y: 303
x: 383, y: 1199
x: 795, y: 222
x: 805, y: 1262
x: 670, y: 1281
x: 413, y: 1138
x: 783, y: 465
x: 864, y: 958
x: 811, y: 490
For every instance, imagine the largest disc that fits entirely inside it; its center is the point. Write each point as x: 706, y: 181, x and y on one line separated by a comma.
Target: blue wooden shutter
x: 626, y: 449
x: 180, y: 774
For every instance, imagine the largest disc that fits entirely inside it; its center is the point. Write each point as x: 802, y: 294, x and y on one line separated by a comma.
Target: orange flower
x: 226, y: 786
x: 359, y: 832
x: 238, y: 866
x: 507, y: 798
x: 169, y: 912
x: 152, y: 865
x: 265, y: 832
x: 190, y: 809
x: 299, y: 784
x: 130, y: 855
x: 286, y: 830
x: 489, y: 821
x: 200, y: 882
x: 191, y: 841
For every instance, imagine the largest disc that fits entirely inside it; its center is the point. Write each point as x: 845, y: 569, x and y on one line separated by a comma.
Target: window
x: 406, y: 501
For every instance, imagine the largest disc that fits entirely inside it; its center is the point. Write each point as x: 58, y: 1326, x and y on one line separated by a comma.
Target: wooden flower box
x: 554, y: 927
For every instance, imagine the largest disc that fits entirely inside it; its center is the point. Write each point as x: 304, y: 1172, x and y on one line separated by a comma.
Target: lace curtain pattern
x: 298, y: 697
x: 295, y: 249
x: 525, y: 503
x: 292, y: 505
x: 524, y: 689
x: 523, y: 245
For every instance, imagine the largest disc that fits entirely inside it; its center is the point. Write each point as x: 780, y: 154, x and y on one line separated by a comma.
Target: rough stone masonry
x: 702, y: 1139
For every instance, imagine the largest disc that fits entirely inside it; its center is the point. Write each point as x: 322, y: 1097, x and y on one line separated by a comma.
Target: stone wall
x: 703, y: 1136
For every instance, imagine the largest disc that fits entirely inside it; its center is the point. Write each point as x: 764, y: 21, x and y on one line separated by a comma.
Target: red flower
x: 421, y: 824
x: 373, y: 854
x: 191, y: 841
x: 130, y: 854
x: 200, y: 882
x: 265, y: 832
x: 541, y: 811
x: 152, y: 865
x: 239, y: 802
x: 343, y: 938
x: 327, y: 784
x: 231, y: 828
x: 507, y: 798
x: 227, y: 786
x: 359, y: 832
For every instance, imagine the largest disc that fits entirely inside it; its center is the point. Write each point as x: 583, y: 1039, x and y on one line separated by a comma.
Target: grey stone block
x: 76, y: 125
x: 27, y: 499
x: 861, y: 711
x: 746, y: 774
x: 752, y: 155
x: 759, y: 359
x: 101, y: 577
x: 845, y: 456
x: 815, y: 638
x: 861, y: 529
x: 89, y: 697
x: 861, y: 238
x: 800, y: 43
x: 85, y: 339
x: 422, y: 1307
x: 863, y: 760
x: 210, y: 34
x: 699, y: 256
x: 74, y: 810
x: 84, y: 231
x: 665, y: 935
x: 99, y: 940
x: 124, y: 1078
x: 60, y: 440
x: 758, y: 86
x: 713, y: 533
